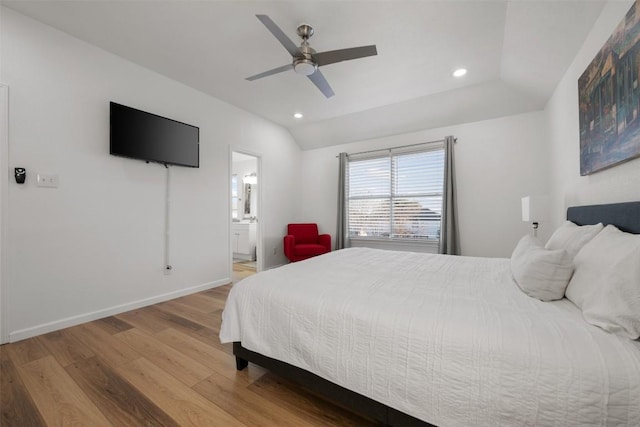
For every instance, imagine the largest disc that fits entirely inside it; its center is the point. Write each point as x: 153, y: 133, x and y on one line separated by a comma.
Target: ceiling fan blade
x: 333, y: 56
x: 321, y: 83
x: 270, y: 72
x: 280, y: 35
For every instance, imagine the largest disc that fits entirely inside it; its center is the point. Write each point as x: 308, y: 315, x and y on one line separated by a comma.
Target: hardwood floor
x: 242, y: 270
x: 161, y: 365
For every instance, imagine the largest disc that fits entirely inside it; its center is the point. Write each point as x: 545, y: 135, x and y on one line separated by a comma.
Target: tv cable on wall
x: 140, y: 135
x: 167, y: 224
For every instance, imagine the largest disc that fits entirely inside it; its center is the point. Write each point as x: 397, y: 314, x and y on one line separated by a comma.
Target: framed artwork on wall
x: 609, y: 99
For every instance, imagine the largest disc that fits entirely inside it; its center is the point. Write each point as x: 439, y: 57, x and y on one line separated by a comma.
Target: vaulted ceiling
x: 515, y: 53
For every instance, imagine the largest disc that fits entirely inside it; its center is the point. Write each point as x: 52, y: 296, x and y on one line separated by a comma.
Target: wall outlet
x: 47, y: 180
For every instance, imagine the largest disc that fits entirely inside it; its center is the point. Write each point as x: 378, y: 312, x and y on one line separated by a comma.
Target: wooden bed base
x: 346, y: 398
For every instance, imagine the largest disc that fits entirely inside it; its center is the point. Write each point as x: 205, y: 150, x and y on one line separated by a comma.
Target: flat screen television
x: 140, y: 135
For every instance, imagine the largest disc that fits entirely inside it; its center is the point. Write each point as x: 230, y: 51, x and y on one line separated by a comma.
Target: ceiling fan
x: 306, y: 60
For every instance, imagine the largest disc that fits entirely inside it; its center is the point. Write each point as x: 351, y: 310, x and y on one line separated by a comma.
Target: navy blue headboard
x: 625, y: 216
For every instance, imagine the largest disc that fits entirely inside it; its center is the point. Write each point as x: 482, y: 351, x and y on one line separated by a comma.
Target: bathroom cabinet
x: 243, y: 240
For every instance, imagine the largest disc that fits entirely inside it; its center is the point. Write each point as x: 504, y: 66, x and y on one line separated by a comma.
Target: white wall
x: 94, y: 245
x: 497, y: 162
x: 617, y: 184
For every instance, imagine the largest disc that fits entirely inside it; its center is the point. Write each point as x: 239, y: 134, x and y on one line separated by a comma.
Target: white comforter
x: 449, y: 340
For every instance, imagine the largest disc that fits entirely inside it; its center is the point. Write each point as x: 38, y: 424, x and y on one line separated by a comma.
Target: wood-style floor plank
x: 206, y: 335
x: 112, y: 325
x: 144, y: 320
x: 57, y: 396
x: 202, y: 303
x: 27, y: 351
x: 248, y: 407
x: 168, y: 359
x: 66, y: 348
x: 209, y: 356
x: 217, y: 300
x: 153, y: 320
x: 211, y: 337
x: 102, y: 343
x: 118, y: 400
x: 204, y: 319
x: 220, y: 291
x: 182, y: 403
x: 173, y: 321
x: 303, y: 403
x: 17, y: 408
x: 160, y: 365
x: 217, y: 320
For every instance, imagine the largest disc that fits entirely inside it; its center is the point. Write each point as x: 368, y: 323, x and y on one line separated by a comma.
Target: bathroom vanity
x: 243, y: 240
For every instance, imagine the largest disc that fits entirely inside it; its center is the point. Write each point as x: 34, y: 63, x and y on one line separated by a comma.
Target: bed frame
x: 625, y: 216
x: 343, y: 397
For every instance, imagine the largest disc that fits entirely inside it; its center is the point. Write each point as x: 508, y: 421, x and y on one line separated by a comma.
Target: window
x: 396, y: 197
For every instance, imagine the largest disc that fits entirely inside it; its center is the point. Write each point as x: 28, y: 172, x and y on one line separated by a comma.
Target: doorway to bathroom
x: 245, y: 214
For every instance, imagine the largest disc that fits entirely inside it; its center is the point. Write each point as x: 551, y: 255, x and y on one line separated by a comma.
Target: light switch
x: 47, y: 180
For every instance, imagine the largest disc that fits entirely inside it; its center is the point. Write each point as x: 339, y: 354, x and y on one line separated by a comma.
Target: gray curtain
x: 449, y: 238
x: 341, y: 234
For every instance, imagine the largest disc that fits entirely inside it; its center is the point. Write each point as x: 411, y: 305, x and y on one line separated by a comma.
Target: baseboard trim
x: 275, y: 266
x: 99, y: 314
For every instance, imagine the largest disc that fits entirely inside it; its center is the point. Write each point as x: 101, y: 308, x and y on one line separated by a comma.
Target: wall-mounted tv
x: 140, y: 135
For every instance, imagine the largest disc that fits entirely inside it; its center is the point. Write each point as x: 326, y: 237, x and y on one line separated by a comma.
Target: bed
x: 419, y: 339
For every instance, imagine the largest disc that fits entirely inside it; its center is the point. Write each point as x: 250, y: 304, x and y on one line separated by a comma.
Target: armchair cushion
x: 309, y: 249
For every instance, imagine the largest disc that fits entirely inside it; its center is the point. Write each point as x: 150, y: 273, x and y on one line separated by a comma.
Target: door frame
x: 4, y: 196
x: 261, y: 213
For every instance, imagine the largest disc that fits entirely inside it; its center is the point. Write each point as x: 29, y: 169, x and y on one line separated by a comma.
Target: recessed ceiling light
x: 459, y: 72
x: 298, y: 115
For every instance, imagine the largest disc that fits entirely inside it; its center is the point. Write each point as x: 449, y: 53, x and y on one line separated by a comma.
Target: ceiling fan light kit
x: 305, y: 60
x: 304, y: 66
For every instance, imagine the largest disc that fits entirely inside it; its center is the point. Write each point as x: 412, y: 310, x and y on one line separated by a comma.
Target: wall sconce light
x: 250, y: 179
x: 534, y: 210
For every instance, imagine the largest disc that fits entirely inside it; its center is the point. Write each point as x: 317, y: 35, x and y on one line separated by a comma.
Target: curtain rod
x: 402, y: 146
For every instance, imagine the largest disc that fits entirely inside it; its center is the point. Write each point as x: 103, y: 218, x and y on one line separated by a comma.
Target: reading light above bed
x: 534, y: 210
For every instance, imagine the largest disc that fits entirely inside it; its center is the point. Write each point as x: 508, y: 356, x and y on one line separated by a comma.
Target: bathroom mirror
x: 247, y: 200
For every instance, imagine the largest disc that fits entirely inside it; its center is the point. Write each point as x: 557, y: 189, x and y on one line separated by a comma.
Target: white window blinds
x: 398, y: 196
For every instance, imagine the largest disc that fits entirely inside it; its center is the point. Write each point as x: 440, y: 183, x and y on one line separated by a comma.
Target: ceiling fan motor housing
x: 305, y: 64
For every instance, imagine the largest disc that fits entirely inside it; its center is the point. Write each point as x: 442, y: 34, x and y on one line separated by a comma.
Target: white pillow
x: 539, y: 272
x: 572, y: 237
x: 606, y: 282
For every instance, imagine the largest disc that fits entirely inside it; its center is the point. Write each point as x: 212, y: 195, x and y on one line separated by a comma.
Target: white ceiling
x: 516, y: 51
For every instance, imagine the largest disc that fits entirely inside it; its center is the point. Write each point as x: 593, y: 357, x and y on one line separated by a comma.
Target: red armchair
x: 303, y: 241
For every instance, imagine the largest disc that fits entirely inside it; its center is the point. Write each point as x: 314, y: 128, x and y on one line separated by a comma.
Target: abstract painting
x: 609, y: 99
